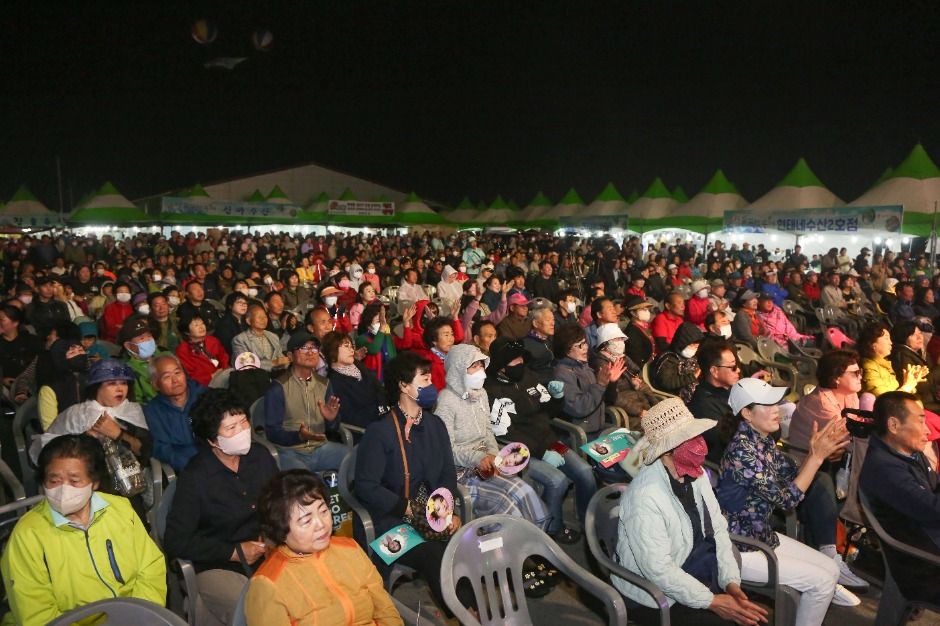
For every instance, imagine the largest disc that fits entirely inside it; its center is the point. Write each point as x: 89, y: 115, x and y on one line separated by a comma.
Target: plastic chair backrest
x: 884, y: 537
x: 163, y: 511
x: 11, y: 513
x: 122, y: 611
x: 12, y: 487
x: 490, y: 552
x: 345, y: 478
x: 601, y: 524
x: 23, y: 431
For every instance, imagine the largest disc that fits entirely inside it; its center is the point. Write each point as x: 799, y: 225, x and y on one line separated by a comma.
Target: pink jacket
x: 779, y: 326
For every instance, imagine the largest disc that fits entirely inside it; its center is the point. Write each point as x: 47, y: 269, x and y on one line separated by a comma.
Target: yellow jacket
x: 331, y: 588
x: 50, y: 567
x: 878, y: 376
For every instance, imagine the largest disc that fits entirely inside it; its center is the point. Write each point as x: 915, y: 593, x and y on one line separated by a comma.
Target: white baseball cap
x: 749, y: 391
x: 606, y: 332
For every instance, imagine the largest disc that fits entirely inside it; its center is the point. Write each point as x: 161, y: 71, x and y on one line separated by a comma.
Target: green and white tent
x: 705, y: 211
x: 414, y: 211
x: 915, y: 185
x: 255, y: 196
x: 608, y: 203
x: 570, y: 205
x: 655, y: 203
x: 315, y: 211
x: 465, y: 209
x: 539, y: 206
x: 679, y: 194
x: 109, y: 207
x: 277, y: 196
x: 498, y: 213
x: 799, y: 189
x: 24, y: 210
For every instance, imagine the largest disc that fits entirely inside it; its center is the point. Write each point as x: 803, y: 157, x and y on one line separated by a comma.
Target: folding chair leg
x: 893, y: 610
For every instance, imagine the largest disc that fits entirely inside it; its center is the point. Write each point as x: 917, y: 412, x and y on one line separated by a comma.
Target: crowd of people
x: 434, y: 351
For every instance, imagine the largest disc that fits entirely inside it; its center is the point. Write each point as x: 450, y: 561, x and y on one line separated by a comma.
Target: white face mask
x: 643, y: 315
x: 236, y: 445
x: 252, y: 292
x: 25, y: 299
x: 374, y: 328
x: 615, y: 348
x: 572, y: 307
x: 357, y: 273
x: 474, y: 381
x: 371, y: 270
x: 173, y: 300
x: 123, y: 297
x: 66, y: 499
x: 329, y: 301
x: 268, y: 280
x: 725, y: 331
x: 157, y: 278
x: 462, y: 268
x: 702, y: 293
x: 144, y: 309
x: 689, y: 352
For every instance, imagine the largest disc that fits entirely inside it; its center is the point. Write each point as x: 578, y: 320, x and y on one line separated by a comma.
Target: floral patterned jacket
x: 755, y: 479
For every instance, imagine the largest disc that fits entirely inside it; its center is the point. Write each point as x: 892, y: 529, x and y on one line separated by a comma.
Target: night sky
x: 467, y: 98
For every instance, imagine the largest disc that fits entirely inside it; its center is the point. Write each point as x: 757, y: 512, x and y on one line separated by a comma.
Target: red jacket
x: 413, y: 338
x: 812, y: 291
x: 197, y: 364
x: 664, y: 326
x: 695, y: 311
x: 113, y: 318
x: 438, y: 373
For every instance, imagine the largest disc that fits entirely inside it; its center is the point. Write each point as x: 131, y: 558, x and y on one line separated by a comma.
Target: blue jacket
x: 171, y: 428
x: 775, y: 291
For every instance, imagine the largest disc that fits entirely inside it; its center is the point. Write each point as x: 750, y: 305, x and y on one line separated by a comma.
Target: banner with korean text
x: 361, y: 209
x: 836, y: 220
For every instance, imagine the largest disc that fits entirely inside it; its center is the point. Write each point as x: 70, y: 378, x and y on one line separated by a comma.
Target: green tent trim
x: 918, y: 164
x: 382, y: 198
x: 512, y: 205
x: 719, y: 183
x: 633, y: 197
x: 464, y: 204
x: 196, y: 191
x: 657, y: 189
x: 571, y: 197
x: 609, y: 194
x: 481, y: 206
x: 801, y: 176
x: 108, y: 189
x: 541, y: 199
x: 256, y: 196
x: 412, y: 197
x: 347, y: 195
x: 679, y: 194
x: 885, y: 175
x: 115, y: 216
x: 698, y: 224
x: 23, y: 194
x: 277, y: 193
x: 499, y: 203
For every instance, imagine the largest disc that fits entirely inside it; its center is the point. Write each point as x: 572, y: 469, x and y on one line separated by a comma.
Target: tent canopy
x: 799, y: 189
x: 709, y: 205
x: 608, y: 202
x: 24, y: 210
x: 655, y: 203
x: 109, y: 206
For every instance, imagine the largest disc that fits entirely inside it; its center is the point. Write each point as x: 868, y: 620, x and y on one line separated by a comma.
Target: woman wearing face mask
x: 450, y: 290
x: 116, y: 312
x: 79, y: 545
x: 407, y: 447
x: 371, y: 276
x: 672, y: 531
x: 362, y: 400
x: 464, y: 408
x: 213, y: 521
x: 632, y: 394
x: 757, y: 478
x: 110, y: 416
x: 234, y: 320
x: 201, y: 354
x: 640, y: 344
x: 64, y: 385
x: 375, y: 336
x: 677, y: 371
x: 311, y: 577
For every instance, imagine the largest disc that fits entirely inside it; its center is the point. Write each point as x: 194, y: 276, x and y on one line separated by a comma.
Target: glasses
x: 308, y: 349
x: 580, y: 344
x: 856, y: 373
x: 730, y: 367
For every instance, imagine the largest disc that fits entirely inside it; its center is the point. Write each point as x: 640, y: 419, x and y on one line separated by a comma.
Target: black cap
x: 300, y: 339
x: 134, y: 326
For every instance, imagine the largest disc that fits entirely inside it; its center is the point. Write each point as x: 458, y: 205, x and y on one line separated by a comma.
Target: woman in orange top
x: 311, y: 577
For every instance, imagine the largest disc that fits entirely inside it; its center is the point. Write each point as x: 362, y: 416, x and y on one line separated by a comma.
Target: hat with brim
x: 749, y: 295
x: 609, y: 332
x: 109, y: 369
x: 247, y: 360
x: 667, y: 425
x: 300, y: 339
x: 517, y: 299
x: 632, y: 303
x: 749, y: 391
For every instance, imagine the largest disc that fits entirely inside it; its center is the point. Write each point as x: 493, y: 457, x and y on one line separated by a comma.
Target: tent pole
x: 933, y: 237
x: 58, y: 169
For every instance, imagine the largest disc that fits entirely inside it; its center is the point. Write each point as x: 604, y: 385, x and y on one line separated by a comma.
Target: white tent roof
x: 914, y: 184
x: 570, y: 205
x: 653, y: 208
x: 799, y: 189
x: 718, y: 195
x: 25, y: 210
x: 301, y: 184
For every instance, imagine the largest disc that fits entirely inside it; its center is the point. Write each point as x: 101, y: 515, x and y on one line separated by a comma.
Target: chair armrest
x: 346, y: 434
x: 768, y: 553
x: 192, y: 588
x: 576, y: 432
x: 647, y: 586
x: 12, y: 482
x: 466, y: 505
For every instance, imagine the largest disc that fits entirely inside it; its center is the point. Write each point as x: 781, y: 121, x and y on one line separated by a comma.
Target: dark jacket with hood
x: 528, y: 397
x: 673, y: 372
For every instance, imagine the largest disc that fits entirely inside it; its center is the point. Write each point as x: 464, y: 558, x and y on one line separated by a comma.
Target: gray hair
x: 152, y: 365
x: 534, y: 314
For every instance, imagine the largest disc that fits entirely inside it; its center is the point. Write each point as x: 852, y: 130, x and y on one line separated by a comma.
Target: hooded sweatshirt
x: 466, y: 414
x: 450, y: 292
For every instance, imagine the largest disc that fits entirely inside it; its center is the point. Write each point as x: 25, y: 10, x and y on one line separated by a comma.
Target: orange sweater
x: 337, y: 586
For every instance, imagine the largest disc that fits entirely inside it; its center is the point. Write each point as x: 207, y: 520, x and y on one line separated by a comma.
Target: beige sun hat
x: 667, y: 424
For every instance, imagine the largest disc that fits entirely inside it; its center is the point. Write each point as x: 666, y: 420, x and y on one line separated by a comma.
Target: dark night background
x: 467, y: 98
